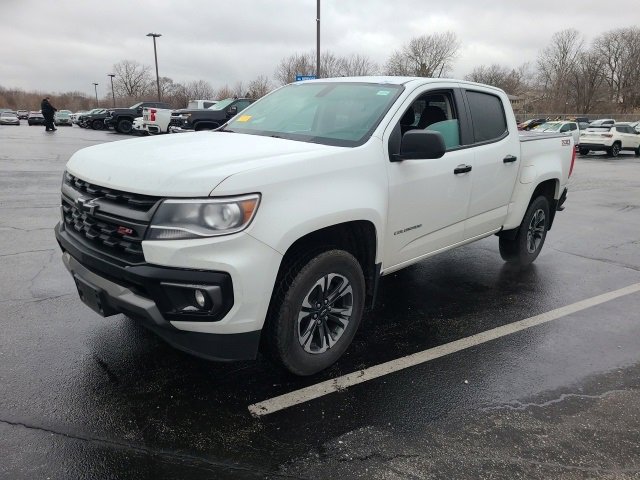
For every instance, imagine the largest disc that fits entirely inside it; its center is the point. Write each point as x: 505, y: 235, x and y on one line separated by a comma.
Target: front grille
x: 133, y: 200
x: 110, y: 221
x: 175, y: 122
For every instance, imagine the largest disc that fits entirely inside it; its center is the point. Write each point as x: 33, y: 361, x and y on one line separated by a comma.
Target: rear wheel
x: 97, y: 124
x: 525, y: 247
x: 125, y: 126
x: 638, y: 151
x: 315, y: 312
x: 614, y: 151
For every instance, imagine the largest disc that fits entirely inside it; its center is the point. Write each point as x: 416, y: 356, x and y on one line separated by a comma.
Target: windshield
x: 341, y: 114
x: 7, y: 114
x: 222, y: 104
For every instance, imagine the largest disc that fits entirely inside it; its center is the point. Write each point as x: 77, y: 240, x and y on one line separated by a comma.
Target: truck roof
x: 399, y: 80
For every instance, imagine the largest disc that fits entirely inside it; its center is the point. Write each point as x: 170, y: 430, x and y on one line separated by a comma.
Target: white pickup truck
x: 158, y: 120
x: 273, y: 231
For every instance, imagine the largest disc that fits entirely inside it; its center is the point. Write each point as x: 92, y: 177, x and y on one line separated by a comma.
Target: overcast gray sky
x: 65, y: 45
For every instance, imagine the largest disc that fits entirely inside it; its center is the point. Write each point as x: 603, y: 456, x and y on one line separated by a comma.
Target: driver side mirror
x: 420, y: 144
x: 232, y: 110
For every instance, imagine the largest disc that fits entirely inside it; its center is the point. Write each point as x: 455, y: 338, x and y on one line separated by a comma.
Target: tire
x: 125, y: 125
x: 638, y: 151
x: 532, y: 232
x: 584, y: 151
x: 614, y: 151
x: 299, y: 337
x: 205, y: 126
x: 97, y: 124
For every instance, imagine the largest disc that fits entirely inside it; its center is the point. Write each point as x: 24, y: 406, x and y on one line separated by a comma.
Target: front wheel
x: 584, y: 151
x: 125, y: 126
x: 532, y: 232
x: 97, y: 124
x: 315, y: 312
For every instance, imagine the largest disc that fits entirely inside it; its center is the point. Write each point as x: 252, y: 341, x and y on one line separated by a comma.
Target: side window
x: 434, y: 111
x: 207, y: 104
x: 565, y: 128
x: 487, y: 114
x: 242, y: 104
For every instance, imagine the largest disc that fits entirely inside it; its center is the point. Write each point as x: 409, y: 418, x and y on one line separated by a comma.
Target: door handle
x: 462, y: 169
x: 509, y: 159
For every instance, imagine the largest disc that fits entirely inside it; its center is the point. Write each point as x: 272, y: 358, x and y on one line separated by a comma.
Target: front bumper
x: 141, y: 292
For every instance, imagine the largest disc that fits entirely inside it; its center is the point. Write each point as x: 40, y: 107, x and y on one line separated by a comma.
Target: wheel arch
x: 357, y: 237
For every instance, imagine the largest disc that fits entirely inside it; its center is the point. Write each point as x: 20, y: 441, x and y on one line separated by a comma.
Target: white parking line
x: 340, y: 383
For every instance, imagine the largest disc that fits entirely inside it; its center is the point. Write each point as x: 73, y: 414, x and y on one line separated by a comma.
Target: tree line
x: 569, y: 75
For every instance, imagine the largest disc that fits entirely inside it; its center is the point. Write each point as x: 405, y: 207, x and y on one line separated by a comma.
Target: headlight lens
x: 182, y: 219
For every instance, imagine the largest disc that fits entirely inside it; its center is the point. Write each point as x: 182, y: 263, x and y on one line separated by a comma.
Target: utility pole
x: 155, y: 54
x: 112, y: 92
x: 95, y: 85
x: 318, y: 40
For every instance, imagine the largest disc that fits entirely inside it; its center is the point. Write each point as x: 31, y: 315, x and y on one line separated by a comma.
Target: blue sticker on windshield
x: 383, y: 92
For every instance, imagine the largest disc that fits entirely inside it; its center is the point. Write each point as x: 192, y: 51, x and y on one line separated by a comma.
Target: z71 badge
x: 566, y: 143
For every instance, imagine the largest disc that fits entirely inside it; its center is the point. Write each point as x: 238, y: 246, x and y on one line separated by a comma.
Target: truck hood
x: 183, y: 165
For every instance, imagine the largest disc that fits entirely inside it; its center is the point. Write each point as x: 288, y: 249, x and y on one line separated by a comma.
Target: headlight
x: 198, y: 218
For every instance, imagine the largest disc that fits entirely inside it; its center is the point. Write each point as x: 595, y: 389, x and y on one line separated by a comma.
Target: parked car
x: 138, y: 127
x: 160, y: 120
x: 94, y: 119
x: 568, y: 128
x: 602, y: 122
x: 76, y: 116
x: 121, y: 119
x: 82, y: 118
x: 9, y: 118
x: 23, y: 114
x: 611, y: 138
x: 35, y: 118
x: 62, y: 117
x: 531, y: 123
x: 212, y: 117
x: 275, y: 230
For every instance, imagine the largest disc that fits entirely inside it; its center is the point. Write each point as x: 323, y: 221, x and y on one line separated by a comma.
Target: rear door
x: 496, y: 160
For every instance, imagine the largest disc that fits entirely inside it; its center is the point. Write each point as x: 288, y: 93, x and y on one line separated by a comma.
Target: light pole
x: 95, y: 85
x: 318, y: 39
x: 112, y: 92
x: 155, y: 54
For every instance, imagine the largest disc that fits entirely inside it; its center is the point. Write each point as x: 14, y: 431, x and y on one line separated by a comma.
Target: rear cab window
x: 488, y: 116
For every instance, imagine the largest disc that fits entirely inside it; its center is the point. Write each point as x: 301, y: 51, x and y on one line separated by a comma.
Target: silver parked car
x: 9, y: 118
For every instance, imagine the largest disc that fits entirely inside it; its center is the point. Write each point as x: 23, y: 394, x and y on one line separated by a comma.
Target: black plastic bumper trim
x: 146, y: 279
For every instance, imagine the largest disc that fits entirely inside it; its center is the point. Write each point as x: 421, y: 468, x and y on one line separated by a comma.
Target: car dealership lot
x: 88, y: 397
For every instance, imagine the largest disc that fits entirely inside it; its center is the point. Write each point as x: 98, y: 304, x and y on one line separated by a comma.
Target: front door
x: 428, y: 202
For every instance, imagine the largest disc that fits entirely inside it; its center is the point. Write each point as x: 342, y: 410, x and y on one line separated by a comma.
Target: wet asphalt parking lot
x: 558, y: 396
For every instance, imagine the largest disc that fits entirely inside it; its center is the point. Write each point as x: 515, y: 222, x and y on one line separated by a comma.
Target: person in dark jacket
x: 47, y: 112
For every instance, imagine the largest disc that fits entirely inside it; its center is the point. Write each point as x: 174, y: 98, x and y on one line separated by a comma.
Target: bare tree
x: 223, y: 92
x: 587, y: 81
x: 425, y: 56
x: 620, y: 50
x: 556, y: 65
x: 331, y: 65
x: 132, y: 79
x: 357, y: 65
x: 296, y: 64
x: 259, y: 87
x: 199, y: 90
x: 512, y: 81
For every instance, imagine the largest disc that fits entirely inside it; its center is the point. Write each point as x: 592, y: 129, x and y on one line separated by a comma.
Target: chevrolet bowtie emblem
x: 88, y: 205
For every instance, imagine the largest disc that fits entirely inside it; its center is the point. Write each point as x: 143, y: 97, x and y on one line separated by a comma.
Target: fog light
x: 201, y: 300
